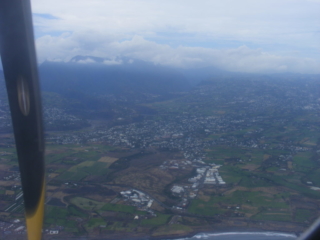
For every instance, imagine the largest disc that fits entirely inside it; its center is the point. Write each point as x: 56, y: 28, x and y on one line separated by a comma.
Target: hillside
x: 103, y: 76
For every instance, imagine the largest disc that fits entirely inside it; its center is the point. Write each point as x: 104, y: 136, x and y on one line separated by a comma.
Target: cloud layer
x: 249, y: 35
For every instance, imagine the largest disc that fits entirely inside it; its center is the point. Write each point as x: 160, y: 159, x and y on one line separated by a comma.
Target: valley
x: 230, y: 154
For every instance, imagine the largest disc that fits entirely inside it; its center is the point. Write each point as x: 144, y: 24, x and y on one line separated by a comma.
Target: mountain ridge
x: 112, y: 76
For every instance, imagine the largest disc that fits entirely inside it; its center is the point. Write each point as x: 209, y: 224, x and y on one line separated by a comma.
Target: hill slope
x: 104, y: 76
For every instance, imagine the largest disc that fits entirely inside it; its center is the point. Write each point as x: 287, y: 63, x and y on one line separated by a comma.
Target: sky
x: 260, y: 36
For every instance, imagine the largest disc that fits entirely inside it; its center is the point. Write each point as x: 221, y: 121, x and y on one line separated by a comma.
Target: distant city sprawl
x: 229, y: 153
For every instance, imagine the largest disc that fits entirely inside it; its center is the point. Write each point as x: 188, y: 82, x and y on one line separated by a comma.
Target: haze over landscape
x: 168, y: 119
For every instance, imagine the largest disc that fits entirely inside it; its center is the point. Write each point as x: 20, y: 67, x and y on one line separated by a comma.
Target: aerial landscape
x: 160, y: 119
x: 232, y: 152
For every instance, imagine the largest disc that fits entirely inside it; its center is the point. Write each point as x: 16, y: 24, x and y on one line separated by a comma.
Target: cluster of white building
x: 177, y: 190
x: 212, y: 176
x: 200, y: 174
x: 138, y: 198
x: 14, y: 227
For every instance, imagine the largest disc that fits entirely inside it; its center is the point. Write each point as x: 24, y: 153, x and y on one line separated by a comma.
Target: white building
x: 18, y: 229
x: 150, y: 203
x: 177, y: 189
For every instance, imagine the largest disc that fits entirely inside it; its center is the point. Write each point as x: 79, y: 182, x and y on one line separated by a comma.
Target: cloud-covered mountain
x: 238, y: 36
x: 89, y: 74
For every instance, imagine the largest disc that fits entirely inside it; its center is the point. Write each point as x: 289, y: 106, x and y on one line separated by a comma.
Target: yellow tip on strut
x: 35, y: 222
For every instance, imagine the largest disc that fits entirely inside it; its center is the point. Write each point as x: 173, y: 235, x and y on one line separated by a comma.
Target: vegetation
x: 87, y: 204
x: 58, y: 216
x: 95, y: 222
x: 118, y: 208
x: 218, y: 204
x: 172, y: 230
x: 303, y: 215
x: 75, y: 211
x: 84, y: 169
x: 160, y: 219
x: 273, y: 216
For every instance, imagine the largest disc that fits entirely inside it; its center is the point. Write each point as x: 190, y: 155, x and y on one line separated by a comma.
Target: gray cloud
x: 247, y: 35
x: 243, y: 58
x: 263, y: 21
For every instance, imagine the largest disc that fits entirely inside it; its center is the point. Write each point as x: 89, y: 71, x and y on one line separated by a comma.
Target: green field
x: 273, y: 216
x: 121, y: 208
x: 302, y: 215
x: 217, y: 203
x: 58, y: 157
x: 302, y: 162
x: 84, y: 169
x: 95, y: 222
x: 220, y: 153
x: 77, y: 212
x: 117, y: 226
x: 282, y: 181
x: 231, y: 174
x: 66, y: 152
x: 253, y: 180
x: 58, y: 216
x: 160, y: 219
x: 236, y: 175
x: 87, y: 204
x: 314, y: 176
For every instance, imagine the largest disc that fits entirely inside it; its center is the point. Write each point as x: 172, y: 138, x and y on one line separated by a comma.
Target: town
x: 224, y: 153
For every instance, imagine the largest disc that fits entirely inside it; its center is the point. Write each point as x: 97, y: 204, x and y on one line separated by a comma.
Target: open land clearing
x: 108, y: 159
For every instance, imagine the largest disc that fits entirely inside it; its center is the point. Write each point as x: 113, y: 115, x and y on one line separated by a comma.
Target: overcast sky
x: 236, y: 35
